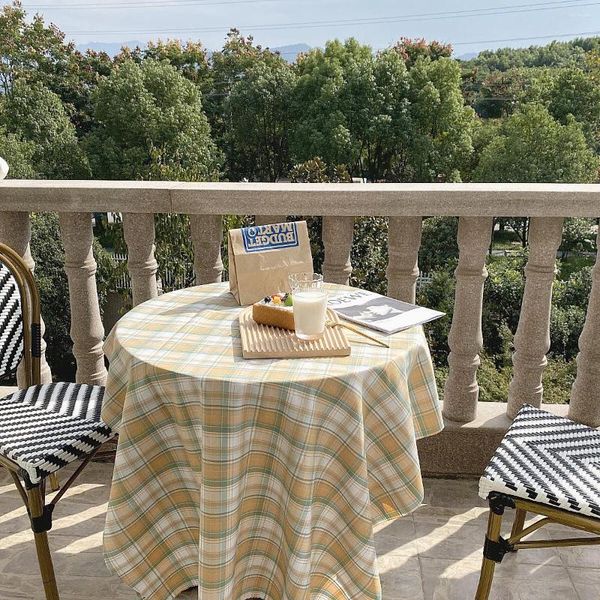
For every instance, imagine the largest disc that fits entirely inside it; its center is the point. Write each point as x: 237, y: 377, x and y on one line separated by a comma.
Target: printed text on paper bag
x: 270, y: 237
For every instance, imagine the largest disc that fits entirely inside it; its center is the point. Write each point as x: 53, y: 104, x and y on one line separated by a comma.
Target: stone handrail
x: 330, y: 199
x: 340, y: 205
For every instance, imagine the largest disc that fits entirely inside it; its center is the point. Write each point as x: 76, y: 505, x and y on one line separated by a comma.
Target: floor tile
x: 457, y: 580
x: 586, y: 582
x: 433, y: 554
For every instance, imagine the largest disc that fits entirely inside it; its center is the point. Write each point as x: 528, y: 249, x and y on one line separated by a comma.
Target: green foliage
x: 34, y: 53
x: 440, y: 138
x: 569, y: 302
x: 533, y: 147
x: 382, y: 121
x: 35, y: 114
x: 227, y: 67
x: 19, y: 156
x: 558, y: 379
x: 369, y: 255
x: 316, y: 171
x: 190, y: 59
x: 501, y: 92
x: 150, y: 126
x: 503, y: 292
x: 412, y: 49
x: 579, y: 235
x: 48, y: 253
x: 555, y: 55
x: 493, y: 380
x: 574, y: 93
x: 439, y: 248
x: 29, y: 50
x: 258, y: 114
x: 324, y: 105
x: 439, y: 295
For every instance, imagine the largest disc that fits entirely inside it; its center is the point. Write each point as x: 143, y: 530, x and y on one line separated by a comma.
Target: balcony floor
x: 433, y: 554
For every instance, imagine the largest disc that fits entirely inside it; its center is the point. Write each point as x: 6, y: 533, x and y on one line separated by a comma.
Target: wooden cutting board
x: 264, y: 341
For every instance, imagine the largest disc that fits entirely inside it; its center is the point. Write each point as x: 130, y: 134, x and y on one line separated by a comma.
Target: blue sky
x: 279, y: 22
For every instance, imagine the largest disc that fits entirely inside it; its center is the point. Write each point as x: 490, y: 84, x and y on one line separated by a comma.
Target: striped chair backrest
x: 11, y: 323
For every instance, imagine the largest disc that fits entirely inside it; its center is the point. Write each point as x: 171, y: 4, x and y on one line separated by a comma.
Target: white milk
x: 309, y: 313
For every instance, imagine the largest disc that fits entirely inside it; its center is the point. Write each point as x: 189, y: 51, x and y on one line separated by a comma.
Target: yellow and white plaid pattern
x: 256, y: 478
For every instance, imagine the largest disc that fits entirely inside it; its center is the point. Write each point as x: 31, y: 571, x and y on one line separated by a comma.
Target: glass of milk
x: 310, y: 305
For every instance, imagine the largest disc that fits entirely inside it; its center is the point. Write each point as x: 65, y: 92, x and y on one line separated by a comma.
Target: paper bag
x: 261, y: 258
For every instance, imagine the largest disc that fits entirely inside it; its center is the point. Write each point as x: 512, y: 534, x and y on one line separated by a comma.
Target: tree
x: 382, y: 123
x: 35, y: 114
x: 19, y: 156
x: 229, y: 66
x: 555, y: 55
x: 258, y: 113
x: 439, y: 246
x: 31, y: 50
x: 411, y: 49
x: 533, y: 147
x: 578, y: 236
x: 150, y: 126
x: 576, y: 93
x: 501, y: 92
x: 439, y: 141
x: 325, y: 112
x: 190, y: 59
x: 34, y: 53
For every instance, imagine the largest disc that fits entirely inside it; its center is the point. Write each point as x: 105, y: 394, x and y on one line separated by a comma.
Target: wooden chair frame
x: 34, y: 495
x: 496, y: 546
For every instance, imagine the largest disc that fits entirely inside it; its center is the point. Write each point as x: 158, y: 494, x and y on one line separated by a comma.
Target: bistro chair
x: 548, y: 466
x: 42, y: 427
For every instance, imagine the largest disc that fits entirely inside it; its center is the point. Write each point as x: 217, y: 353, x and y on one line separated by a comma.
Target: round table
x: 256, y: 478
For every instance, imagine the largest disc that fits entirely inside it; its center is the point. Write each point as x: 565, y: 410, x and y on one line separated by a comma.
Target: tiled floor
x: 433, y: 554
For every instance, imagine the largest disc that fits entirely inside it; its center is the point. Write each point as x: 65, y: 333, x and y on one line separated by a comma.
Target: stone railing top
x: 381, y: 199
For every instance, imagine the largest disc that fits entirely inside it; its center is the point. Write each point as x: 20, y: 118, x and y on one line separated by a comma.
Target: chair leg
x: 495, y: 546
x: 518, y: 523
x: 36, y: 510
x: 488, y: 566
x: 54, y: 482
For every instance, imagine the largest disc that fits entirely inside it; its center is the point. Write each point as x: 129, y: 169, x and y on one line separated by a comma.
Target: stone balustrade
x: 340, y: 205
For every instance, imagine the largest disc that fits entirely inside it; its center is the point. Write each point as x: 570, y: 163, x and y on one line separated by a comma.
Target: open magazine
x: 380, y: 312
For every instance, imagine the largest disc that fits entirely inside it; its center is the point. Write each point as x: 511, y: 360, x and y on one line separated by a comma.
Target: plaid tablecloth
x: 256, y: 478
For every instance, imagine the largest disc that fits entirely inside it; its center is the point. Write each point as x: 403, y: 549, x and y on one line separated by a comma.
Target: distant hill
x: 289, y: 52
x: 467, y: 56
x: 111, y: 48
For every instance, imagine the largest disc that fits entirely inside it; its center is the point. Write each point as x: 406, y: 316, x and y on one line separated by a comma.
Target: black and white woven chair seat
x: 45, y: 427
x: 547, y: 459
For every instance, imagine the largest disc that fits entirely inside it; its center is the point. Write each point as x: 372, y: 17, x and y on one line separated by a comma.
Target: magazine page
x: 380, y: 312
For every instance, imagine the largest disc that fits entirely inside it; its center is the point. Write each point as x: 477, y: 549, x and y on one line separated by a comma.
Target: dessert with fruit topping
x: 276, y: 310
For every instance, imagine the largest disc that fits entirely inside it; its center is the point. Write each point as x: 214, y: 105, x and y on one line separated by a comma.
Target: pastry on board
x: 276, y: 310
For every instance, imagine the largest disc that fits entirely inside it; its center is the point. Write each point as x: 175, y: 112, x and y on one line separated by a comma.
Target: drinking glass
x: 310, y: 305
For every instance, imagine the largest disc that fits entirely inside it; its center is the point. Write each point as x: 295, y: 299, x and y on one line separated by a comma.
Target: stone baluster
x: 532, y: 340
x: 268, y: 219
x: 585, y: 396
x: 15, y: 231
x: 404, y: 239
x: 141, y: 264
x: 465, y: 339
x: 87, y: 331
x: 337, y: 235
x: 207, y: 235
